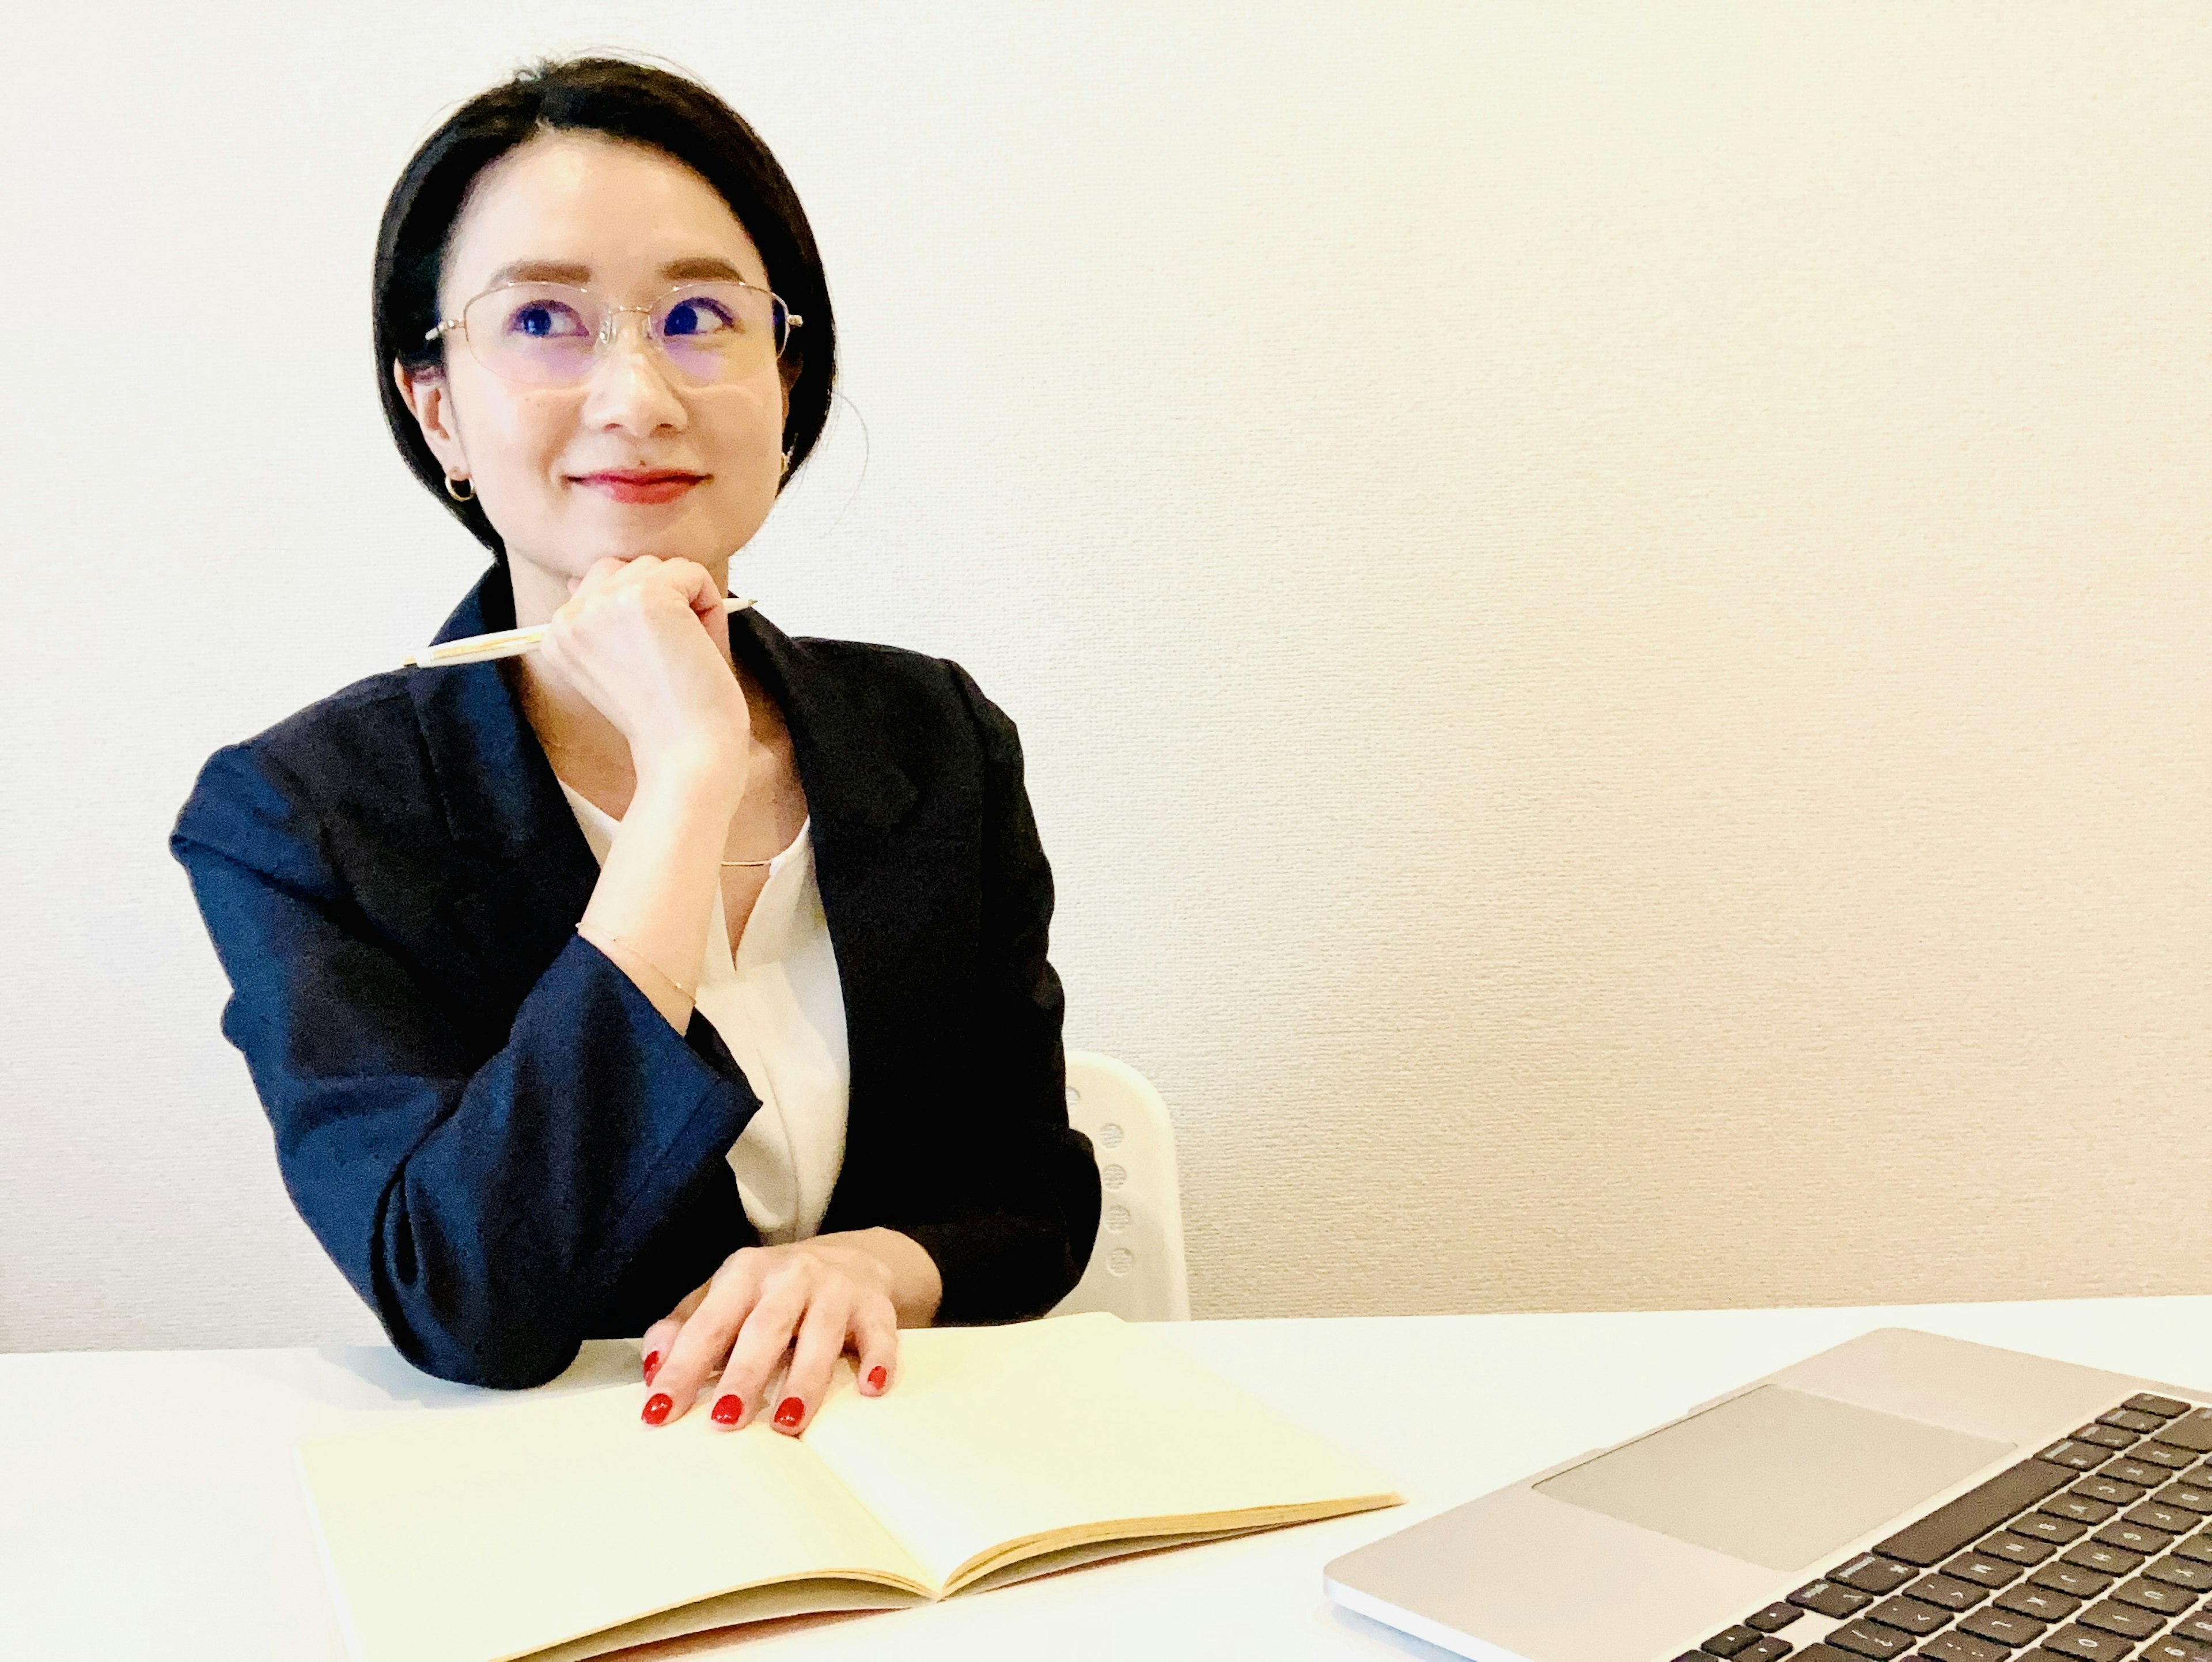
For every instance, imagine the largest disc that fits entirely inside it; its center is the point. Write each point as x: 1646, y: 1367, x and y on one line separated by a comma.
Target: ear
x: 426, y: 393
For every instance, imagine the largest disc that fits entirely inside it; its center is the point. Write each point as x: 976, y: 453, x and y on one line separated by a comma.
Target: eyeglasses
x: 554, y: 334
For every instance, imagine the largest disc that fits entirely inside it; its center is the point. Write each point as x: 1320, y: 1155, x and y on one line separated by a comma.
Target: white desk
x: 148, y: 1508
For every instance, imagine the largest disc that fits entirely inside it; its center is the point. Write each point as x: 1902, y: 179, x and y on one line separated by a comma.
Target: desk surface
x: 148, y: 1506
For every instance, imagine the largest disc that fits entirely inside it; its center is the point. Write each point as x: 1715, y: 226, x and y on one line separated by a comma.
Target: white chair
x: 1136, y: 1268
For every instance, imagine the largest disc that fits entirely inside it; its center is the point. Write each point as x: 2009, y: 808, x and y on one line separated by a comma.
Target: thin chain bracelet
x: 690, y: 995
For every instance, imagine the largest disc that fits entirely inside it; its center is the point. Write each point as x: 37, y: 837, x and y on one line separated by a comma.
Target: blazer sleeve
x: 1020, y: 1186
x: 483, y: 1205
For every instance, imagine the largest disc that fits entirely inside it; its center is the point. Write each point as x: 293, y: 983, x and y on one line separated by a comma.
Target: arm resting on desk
x: 484, y: 1206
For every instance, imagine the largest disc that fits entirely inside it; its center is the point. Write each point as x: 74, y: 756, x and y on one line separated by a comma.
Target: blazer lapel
x: 526, y: 871
x: 871, y: 883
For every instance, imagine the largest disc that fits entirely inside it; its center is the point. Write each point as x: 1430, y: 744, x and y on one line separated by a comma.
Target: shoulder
x: 911, y: 697
x: 265, y: 793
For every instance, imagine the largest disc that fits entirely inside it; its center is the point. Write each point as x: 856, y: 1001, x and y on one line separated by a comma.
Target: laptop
x: 1902, y: 1496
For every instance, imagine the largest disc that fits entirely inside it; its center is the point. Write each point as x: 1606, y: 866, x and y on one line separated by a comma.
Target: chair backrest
x: 1136, y: 1268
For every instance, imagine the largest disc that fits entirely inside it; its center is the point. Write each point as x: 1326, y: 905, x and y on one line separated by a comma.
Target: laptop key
x: 2003, y: 1627
x: 1773, y: 1618
x: 2159, y: 1596
x: 2170, y: 1649
x: 2180, y: 1572
x: 2134, y: 1538
x: 2189, y: 1494
x: 2016, y: 1549
x: 1864, y: 1639
x: 2047, y: 1526
x: 2105, y: 1559
x: 2070, y: 1578
x: 1955, y: 1647
x: 2191, y: 1431
x: 1909, y: 1615
x: 2079, y: 1507
x: 2127, y: 1419
x: 2079, y: 1456
x: 2143, y: 1473
x: 2197, y: 1627
x: 1729, y: 1640
x: 2198, y: 1549
x: 2123, y: 1619
x: 2163, y: 1454
x: 1983, y: 1572
x: 1975, y: 1513
x: 2093, y: 1646
x: 1769, y: 1649
x: 2105, y: 1487
x: 2156, y: 1515
x: 2041, y: 1603
x: 1828, y: 1599
x: 1948, y: 1590
x: 1871, y: 1575
x: 2106, y: 1436
x: 2165, y: 1407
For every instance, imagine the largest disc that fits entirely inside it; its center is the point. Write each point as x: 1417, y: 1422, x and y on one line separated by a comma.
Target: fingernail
x: 789, y: 1412
x: 875, y: 1377
x: 652, y: 1365
x: 728, y: 1410
x: 656, y: 1408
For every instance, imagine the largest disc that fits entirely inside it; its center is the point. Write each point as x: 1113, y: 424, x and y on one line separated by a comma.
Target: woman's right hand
x: 645, y: 640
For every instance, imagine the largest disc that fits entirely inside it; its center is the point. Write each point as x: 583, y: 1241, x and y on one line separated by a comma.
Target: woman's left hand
x: 808, y: 1302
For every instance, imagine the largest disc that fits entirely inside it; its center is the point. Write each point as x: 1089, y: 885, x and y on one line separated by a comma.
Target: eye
x: 543, y: 319
x: 699, y: 314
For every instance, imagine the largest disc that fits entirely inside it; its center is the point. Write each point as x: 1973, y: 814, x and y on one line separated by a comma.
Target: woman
x: 462, y: 909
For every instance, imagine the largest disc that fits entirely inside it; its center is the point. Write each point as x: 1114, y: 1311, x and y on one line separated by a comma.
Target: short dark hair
x: 623, y: 100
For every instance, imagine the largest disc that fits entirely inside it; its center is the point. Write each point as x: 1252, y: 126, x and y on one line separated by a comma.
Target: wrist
x: 696, y: 767
x: 915, y: 1286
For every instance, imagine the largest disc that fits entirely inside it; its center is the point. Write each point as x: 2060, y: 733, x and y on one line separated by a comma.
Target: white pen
x: 503, y: 643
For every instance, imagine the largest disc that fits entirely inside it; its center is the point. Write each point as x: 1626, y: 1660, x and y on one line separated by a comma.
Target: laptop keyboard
x: 2099, y: 1548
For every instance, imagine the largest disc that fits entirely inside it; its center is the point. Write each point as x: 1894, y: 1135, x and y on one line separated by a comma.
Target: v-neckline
x: 721, y: 959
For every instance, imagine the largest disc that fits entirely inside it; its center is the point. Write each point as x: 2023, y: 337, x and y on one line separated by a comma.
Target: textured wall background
x: 1608, y: 605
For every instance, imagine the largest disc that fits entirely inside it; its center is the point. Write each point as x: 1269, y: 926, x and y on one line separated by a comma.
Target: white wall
x: 1608, y: 605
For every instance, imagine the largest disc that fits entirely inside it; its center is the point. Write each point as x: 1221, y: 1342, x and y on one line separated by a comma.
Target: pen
x: 503, y: 643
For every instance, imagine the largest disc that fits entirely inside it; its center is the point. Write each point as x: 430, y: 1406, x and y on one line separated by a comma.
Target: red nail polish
x: 728, y: 1410
x: 875, y: 1378
x: 656, y: 1408
x: 652, y: 1365
x: 789, y: 1412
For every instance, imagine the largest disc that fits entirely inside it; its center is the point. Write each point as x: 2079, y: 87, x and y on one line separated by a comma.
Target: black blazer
x: 503, y: 1146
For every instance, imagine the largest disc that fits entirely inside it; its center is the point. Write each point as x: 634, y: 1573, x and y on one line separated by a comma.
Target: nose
x: 631, y: 386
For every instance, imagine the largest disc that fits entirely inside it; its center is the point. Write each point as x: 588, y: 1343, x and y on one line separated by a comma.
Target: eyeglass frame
x: 608, y: 326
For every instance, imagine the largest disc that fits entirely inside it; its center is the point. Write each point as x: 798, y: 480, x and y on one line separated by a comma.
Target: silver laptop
x: 1900, y: 1495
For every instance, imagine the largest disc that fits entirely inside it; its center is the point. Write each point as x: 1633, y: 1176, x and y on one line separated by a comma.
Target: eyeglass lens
x: 552, y: 334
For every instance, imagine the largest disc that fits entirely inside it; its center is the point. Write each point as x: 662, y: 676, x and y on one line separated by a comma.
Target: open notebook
x: 562, y: 1527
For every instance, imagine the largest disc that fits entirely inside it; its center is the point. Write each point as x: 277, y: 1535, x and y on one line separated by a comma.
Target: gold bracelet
x: 688, y: 995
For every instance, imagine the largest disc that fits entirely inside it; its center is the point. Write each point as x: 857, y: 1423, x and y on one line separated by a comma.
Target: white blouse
x: 781, y: 1009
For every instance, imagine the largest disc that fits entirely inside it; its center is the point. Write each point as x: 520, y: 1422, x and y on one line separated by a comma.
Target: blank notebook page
x: 489, y: 1532
x: 1064, y: 1428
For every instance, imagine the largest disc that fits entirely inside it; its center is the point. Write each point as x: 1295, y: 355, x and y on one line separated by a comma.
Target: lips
x: 640, y: 484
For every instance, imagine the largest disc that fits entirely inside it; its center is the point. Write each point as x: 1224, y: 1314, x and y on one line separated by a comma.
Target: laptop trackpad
x: 1776, y: 1476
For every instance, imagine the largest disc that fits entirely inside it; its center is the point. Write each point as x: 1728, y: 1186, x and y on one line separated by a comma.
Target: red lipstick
x: 640, y: 485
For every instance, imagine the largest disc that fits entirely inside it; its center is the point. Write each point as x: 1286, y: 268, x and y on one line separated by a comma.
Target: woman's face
x: 636, y: 458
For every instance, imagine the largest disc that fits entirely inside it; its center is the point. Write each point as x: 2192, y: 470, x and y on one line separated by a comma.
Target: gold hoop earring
x: 468, y: 495
x: 786, y: 461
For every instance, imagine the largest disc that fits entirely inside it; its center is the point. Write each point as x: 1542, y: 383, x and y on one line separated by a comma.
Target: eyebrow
x: 696, y: 268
